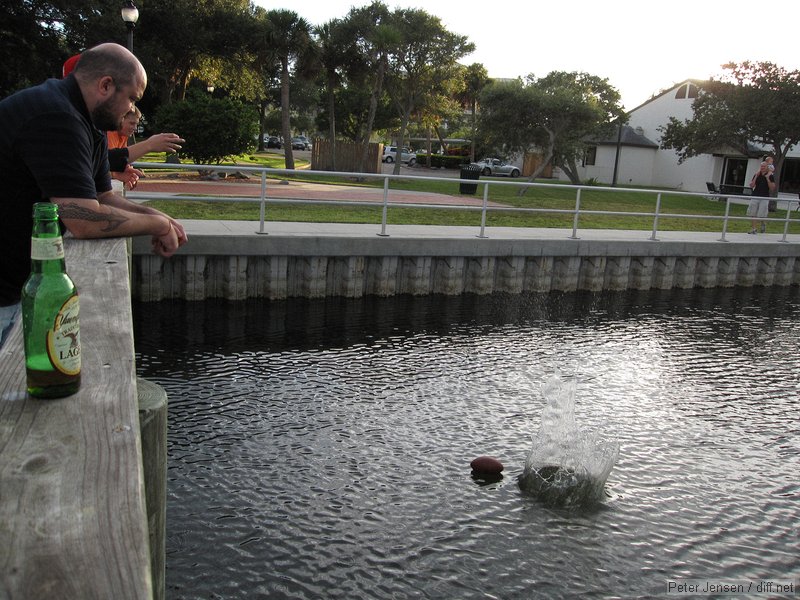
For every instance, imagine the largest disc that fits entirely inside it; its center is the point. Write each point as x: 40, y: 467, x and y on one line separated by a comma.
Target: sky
x: 641, y: 47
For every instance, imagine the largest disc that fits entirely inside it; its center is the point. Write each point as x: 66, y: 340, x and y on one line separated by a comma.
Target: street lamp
x: 130, y: 14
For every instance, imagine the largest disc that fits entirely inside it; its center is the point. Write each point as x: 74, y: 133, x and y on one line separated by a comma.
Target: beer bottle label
x: 63, y: 340
x: 47, y: 248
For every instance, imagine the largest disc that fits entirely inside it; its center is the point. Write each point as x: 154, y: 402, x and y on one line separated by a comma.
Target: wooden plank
x: 72, y: 508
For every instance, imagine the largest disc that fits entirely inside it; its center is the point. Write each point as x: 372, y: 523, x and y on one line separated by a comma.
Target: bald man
x: 53, y: 147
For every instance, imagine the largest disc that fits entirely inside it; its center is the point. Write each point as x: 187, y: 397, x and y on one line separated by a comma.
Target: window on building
x: 688, y: 90
x: 590, y: 156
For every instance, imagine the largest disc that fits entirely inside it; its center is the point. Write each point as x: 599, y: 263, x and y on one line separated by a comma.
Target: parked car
x: 495, y: 166
x: 273, y: 141
x: 406, y: 155
x: 301, y: 142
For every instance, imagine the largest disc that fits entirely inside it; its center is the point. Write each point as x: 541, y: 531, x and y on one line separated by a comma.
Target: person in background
x: 69, y: 65
x: 118, y: 140
x: 53, y: 147
x: 762, y: 184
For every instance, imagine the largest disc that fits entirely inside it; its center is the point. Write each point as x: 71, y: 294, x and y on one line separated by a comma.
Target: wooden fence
x: 531, y: 162
x: 348, y: 157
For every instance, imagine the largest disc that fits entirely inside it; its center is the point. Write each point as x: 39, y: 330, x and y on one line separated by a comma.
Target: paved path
x: 301, y: 190
x: 251, y: 188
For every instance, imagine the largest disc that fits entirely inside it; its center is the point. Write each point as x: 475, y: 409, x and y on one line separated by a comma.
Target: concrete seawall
x: 229, y: 259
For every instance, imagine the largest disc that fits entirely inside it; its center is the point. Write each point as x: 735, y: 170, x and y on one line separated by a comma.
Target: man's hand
x: 129, y: 177
x: 179, y: 231
x: 167, y: 244
x: 165, y: 142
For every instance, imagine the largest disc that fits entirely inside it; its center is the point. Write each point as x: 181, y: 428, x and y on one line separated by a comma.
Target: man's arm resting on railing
x: 121, y: 202
x: 86, y: 219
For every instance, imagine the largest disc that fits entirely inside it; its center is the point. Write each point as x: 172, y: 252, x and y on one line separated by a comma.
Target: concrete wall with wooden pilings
x: 278, y: 266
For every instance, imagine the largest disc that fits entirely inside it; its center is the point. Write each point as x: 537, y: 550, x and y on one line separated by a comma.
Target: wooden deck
x: 72, y: 504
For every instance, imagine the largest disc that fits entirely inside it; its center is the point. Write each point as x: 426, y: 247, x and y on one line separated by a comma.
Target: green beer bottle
x: 50, y: 312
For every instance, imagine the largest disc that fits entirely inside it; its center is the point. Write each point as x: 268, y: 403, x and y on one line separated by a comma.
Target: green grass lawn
x: 555, y: 197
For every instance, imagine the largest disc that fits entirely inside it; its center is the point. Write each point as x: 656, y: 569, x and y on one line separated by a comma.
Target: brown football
x: 486, y: 464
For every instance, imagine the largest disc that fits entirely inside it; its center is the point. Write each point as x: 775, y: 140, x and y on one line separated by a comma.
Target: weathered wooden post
x: 153, y: 430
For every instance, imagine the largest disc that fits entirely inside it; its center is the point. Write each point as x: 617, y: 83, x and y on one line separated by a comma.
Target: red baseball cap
x: 69, y: 65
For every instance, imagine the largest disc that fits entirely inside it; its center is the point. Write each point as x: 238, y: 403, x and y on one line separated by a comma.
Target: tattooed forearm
x: 72, y: 210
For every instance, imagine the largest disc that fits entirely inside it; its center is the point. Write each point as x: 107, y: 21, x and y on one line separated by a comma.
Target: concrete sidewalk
x: 461, y: 234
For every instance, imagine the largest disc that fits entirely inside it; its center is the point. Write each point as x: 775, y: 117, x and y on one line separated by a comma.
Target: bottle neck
x: 47, y: 248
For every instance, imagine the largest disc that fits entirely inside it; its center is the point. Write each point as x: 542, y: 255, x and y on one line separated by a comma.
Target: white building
x: 639, y: 160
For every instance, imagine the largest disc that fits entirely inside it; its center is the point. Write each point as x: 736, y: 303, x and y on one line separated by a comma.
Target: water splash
x: 566, y: 466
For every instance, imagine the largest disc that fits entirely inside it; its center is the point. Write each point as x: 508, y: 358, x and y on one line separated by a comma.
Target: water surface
x: 321, y: 449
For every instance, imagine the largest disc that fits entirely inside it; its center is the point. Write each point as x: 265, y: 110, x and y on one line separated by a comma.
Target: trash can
x: 469, y: 172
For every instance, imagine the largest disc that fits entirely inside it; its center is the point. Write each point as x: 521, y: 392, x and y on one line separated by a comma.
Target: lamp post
x: 616, y: 156
x: 130, y: 14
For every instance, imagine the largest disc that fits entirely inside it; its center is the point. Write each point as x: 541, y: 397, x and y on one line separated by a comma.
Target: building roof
x: 697, y: 82
x: 629, y: 137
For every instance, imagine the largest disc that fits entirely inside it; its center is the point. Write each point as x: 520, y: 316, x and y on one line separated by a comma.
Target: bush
x: 440, y: 160
x: 214, y: 128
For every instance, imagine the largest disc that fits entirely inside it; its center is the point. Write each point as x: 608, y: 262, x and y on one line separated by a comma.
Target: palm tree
x: 290, y: 37
x: 375, y: 35
x: 336, y: 51
x: 475, y: 79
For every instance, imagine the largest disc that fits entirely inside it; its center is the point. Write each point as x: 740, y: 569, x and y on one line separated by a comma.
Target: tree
x: 555, y: 115
x: 214, y: 128
x: 31, y: 43
x: 438, y: 109
x: 290, y: 36
x: 374, y: 35
x: 175, y: 41
x: 336, y: 51
x: 754, y: 103
x: 422, y: 63
x: 266, y: 69
x: 476, y: 79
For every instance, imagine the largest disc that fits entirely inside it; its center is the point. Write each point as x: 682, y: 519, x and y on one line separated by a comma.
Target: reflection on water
x: 321, y: 449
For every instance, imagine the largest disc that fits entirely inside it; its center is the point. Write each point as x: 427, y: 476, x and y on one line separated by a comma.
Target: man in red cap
x: 69, y: 65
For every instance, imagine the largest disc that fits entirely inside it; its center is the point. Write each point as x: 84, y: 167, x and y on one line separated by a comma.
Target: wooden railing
x: 73, y: 520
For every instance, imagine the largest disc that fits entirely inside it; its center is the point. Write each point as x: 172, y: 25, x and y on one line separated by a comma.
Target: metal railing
x: 576, y: 211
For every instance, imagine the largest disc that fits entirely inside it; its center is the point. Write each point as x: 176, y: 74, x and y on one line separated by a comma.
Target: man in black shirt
x: 53, y: 147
